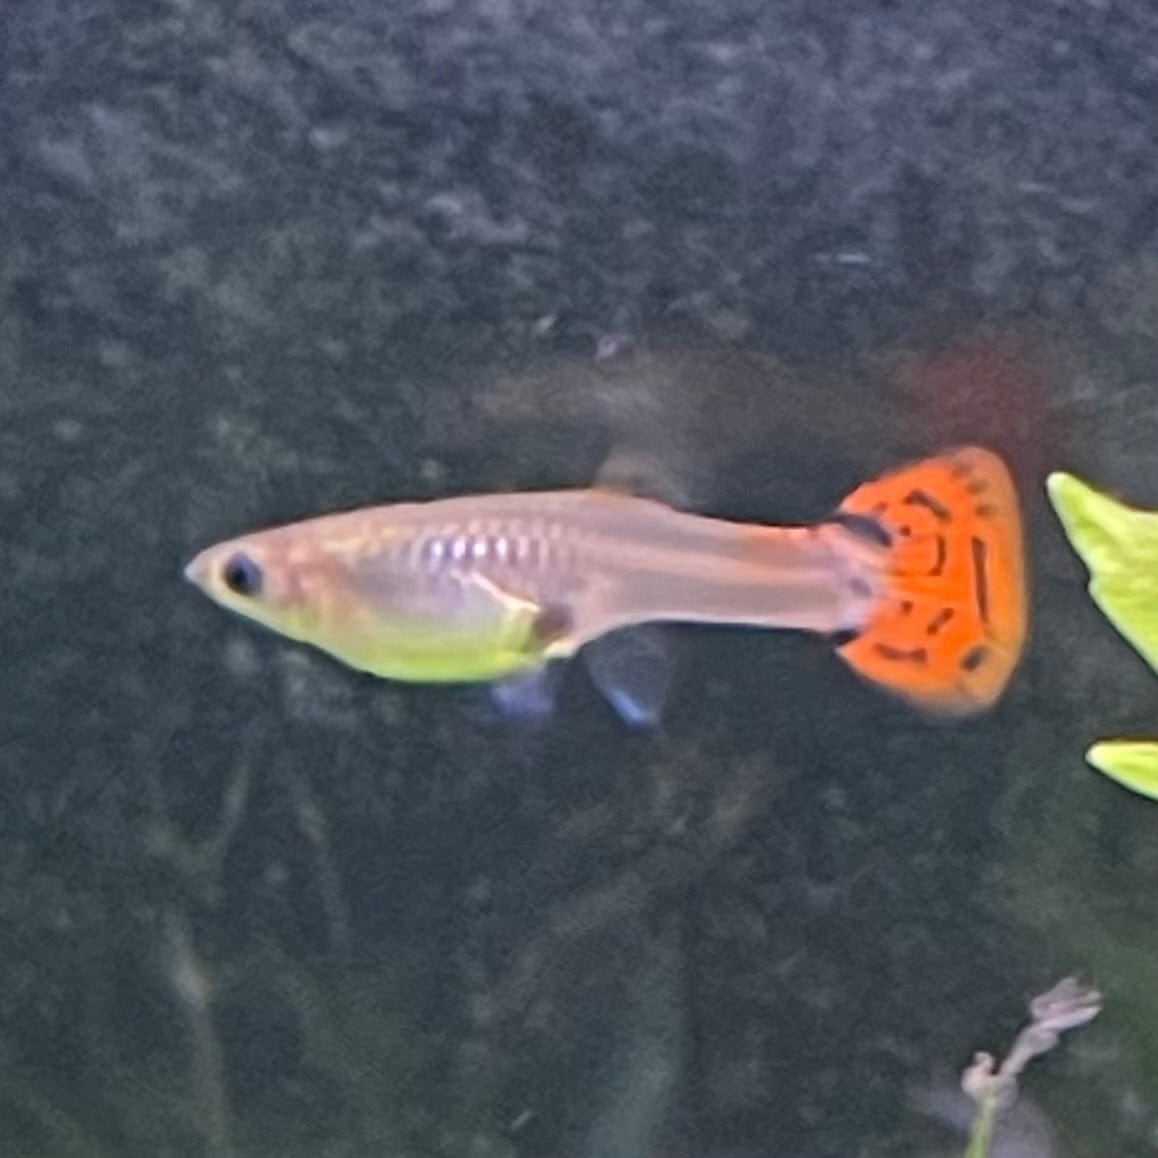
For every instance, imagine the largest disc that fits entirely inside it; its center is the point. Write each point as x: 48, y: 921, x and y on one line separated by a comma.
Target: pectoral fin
x: 529, y: 696
x: 632, y: 668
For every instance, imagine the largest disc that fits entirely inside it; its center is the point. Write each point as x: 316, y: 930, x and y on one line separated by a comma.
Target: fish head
x: 281, y: 585
x: 338, y: 583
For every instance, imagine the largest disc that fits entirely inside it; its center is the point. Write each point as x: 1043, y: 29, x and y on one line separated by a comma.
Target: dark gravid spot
x: 977, y: 487
x: 974, y: 657
x: 986, y: 511
x: 906, y: 607
x: 553, y: 622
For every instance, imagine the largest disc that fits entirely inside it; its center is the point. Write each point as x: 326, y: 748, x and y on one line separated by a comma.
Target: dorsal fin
x: 645, y: 474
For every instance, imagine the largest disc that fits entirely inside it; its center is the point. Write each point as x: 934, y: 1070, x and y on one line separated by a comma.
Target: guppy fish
x: 918, y: 578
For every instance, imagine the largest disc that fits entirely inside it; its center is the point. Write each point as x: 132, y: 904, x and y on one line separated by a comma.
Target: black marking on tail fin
x: 921, y: 498
x: 939, y: 620
x: 902, y: 654
x: 942, y: 556
x: 981, y: 577
x: 865, y: 526
x: 974, y: 657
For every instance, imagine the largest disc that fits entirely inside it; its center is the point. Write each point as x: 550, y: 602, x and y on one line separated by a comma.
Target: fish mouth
x: 196, y: 570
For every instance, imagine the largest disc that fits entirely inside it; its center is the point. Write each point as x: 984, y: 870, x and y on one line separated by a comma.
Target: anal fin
x: 529, y: 696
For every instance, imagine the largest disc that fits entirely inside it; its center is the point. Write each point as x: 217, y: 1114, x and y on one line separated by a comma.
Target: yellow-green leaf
x: 1133, y: 763
x: 1119, y: 545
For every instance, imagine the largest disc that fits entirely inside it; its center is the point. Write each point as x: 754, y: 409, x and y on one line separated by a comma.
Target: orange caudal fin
x: 951, y: 626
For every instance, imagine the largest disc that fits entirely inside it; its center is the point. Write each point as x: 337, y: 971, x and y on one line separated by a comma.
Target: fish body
x: 484, y: 587
x: 478, y: 587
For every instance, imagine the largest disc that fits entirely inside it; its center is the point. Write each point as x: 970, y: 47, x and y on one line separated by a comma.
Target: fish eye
x: 241, y: 575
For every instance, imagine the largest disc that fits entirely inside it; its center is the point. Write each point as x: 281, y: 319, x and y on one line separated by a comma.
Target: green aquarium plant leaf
x: 1133, y: 763
x: 1119, y: 545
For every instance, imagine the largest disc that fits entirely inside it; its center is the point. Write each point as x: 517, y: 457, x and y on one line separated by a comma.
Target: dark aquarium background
x: 262, y: 259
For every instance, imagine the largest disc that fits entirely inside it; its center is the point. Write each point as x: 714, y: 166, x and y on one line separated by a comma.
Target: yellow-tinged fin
x: 1132, y: 763
x: 951, y: 626
x: 1119, y: 546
